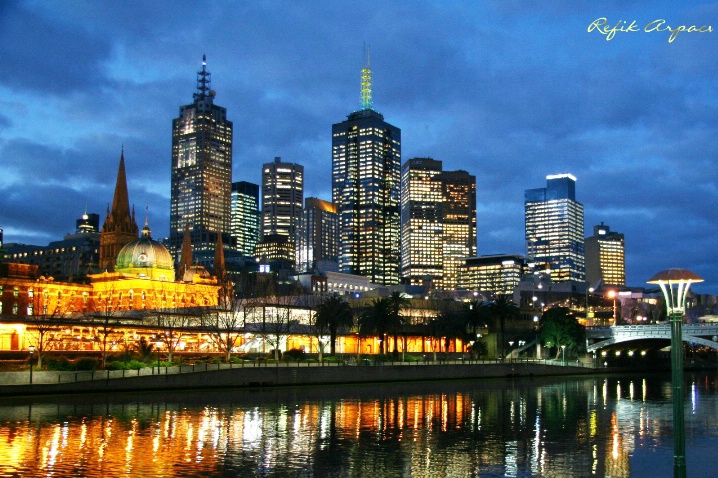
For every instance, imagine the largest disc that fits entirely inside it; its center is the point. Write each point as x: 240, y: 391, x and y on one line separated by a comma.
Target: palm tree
x: 373, y: 321
x: 395, y: 321
x: 502, y: 308
x: 332, y: 314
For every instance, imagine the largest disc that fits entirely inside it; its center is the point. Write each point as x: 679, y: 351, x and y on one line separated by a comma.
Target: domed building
x: 144, y: 258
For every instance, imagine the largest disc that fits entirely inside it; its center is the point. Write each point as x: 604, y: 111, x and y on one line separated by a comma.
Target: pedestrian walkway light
x: 675, y: 284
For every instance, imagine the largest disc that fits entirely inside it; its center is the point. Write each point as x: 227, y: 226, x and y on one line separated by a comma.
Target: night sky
x: 510, y: 91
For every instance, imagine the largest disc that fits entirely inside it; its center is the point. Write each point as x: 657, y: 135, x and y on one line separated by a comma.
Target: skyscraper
x: 282, y: 198
x: 201, y: 172
x: 605, y: 257
x: 366, y: 162
x: 317, y: 235
x: 422, y: 221
x: 245, y: 229
x: 438, y: 222
x: 459, y: 223
x: 554, y: 228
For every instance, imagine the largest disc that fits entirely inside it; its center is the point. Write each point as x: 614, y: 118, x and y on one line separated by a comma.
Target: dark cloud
x: 40, y: 53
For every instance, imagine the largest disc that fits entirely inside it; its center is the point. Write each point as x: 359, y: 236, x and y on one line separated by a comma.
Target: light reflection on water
x: 615, y: 426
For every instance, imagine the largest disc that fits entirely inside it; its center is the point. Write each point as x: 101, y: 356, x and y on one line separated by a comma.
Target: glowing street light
x: 675, y: 284
x: 612, y: 295
x: 563, y: 353
x: 31, y: 349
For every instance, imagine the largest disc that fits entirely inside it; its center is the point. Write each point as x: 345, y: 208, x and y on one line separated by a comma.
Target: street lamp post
x: 31, y: 349
x: 588, y: 290
x: 675, y: 284
x: 612, y: 295
x: 563, y: 354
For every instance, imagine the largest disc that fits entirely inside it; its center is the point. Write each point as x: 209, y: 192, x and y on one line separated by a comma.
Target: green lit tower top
x: 201, y: 172
x: 366, y: 162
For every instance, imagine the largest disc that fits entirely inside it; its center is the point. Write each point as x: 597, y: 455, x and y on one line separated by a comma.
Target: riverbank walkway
x: 263, y: 374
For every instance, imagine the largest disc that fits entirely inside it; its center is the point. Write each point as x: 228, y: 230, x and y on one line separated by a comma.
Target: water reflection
x: 597, y: 426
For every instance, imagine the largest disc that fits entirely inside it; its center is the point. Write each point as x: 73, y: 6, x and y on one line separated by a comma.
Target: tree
x: 452, y: 325
x: 276, y: 326
x: 373, y: 321
x: 332, y: 314
x: 477, y: 317
x: 173, y: 323
x: 501, y: 310
x: 559, y: 327
x: 225, y: 323
x: 395, y: 321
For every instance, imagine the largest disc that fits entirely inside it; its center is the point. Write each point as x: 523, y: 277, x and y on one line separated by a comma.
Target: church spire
x: 219, y: 271
x: 186, y: 254
x: 366, y: 103
x: 120, y: 227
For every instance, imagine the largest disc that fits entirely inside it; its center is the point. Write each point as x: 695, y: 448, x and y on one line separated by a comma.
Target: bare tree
x: 277, y: 321
x: 173, y: 325
x: 105, y: 316
x: 225, y: 323
x: 46, y: 312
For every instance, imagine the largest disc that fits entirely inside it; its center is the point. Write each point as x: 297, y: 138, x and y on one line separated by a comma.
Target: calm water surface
x: 599, y: 426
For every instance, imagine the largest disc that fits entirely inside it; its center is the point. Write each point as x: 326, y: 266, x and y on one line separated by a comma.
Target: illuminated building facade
x: 245, y: 229
x: 496, y: 274
x: 69, y: 259
x: 438, y: 223
x: 459, y: 223
x: 421, y: 222
x: 317, y: 237
x: 277, y: 251
x: 605, y: 257
x: 554, y: 228
x: 282, y: 198
x: 366, y: 174
x: 201, y: 180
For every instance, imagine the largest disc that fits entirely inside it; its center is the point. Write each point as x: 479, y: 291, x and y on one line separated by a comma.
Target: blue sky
x: 511, y: 91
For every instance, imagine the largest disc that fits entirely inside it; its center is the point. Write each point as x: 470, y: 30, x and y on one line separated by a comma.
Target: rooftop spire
x: 121, y: 200
x: 204, y: 80
x: 366, y: 81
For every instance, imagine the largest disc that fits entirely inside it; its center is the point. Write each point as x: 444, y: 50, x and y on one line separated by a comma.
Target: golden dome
x: 142, y: 256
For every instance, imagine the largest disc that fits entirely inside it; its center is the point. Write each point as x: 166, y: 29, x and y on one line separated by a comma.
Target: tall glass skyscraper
x: 554, y: 228
x: 605, y: 257
x: 366, y: 162
x: 245, y: 228
x: 438, y: 222
x: 317, y: 235
x: 459, y: 221
x: 282, y: 198
x: 201, y: 172
x: 422, y: 221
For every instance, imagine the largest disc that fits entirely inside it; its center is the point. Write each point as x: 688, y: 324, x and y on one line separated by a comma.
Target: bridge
x: 600, y: 337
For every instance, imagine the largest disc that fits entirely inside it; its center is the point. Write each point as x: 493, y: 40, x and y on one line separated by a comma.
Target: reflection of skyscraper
x: 366, y: 162
x: 201, y: 171
x: 317, y: 238
x: 554, y: 227
x: 245, y: 217
x: 605, y: 257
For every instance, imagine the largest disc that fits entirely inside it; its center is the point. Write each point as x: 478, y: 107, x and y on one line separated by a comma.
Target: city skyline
x: 509, y: 91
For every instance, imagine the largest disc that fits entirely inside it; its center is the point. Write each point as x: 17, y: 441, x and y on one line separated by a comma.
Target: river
x: 543, y: 427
